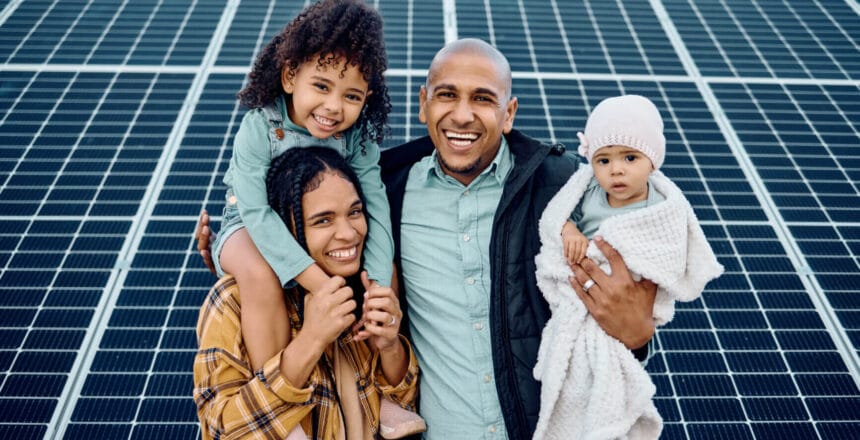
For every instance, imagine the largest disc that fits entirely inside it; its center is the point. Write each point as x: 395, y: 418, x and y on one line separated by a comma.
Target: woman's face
x: 335, y: 225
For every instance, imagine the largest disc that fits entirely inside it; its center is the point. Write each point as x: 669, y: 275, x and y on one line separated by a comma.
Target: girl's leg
x: 265, y: 325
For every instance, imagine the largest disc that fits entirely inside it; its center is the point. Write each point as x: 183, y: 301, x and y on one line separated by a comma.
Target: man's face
x: 467, y: 108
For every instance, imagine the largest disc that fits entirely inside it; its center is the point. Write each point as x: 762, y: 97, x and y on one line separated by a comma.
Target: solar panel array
x: 116, y: 125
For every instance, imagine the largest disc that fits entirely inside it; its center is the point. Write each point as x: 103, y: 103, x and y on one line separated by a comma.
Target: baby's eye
x: 630, y: 157
x: 602, y: 161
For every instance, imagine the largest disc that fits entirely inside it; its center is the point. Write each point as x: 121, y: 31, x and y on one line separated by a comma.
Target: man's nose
x: 463, y: 112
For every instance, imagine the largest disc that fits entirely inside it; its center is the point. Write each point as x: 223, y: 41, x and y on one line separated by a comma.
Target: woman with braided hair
x: 330, y: 379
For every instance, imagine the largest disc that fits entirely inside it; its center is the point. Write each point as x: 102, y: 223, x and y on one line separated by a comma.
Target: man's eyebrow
x: 478, y: 91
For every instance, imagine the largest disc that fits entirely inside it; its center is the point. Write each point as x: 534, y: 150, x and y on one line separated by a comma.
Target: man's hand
x: 621, y: 306
x: 205, y: 237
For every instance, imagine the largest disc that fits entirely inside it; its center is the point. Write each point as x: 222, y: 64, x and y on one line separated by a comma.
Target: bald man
x: 465, y: 204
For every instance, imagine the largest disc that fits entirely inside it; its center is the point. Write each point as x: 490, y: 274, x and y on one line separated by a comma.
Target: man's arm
x: 622, y: 307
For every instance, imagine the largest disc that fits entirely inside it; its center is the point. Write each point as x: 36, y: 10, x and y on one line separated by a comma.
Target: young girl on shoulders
x: 318, y: 83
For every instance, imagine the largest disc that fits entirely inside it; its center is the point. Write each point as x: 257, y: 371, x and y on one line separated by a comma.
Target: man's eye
x: 446, y: 96
x: 485, y: 100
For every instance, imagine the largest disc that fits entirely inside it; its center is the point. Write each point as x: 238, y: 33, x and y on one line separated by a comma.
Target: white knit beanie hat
x: 629, y: 120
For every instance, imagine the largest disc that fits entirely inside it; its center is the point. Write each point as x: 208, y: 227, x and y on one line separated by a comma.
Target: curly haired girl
x: 318, y: 83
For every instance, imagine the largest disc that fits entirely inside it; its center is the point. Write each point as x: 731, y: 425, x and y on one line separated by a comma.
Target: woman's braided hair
x: 330, y: 31
x: 296, y: 172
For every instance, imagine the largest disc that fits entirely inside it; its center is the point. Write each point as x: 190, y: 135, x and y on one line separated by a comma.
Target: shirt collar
x: 499, y: 168
x: 285, y: 115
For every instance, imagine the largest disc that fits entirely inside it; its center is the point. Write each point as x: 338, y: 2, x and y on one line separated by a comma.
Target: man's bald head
x: 476, y: 47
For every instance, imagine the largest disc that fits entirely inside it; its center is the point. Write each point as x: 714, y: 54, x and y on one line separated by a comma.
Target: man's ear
x: 510, y: 112
x: 287, y: 78
x: 422, y: 99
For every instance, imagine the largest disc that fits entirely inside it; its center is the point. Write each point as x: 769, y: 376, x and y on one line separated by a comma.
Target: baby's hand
x: 575, y: 243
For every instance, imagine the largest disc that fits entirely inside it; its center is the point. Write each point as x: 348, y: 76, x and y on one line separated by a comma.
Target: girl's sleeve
x: 379, y: 248
x: 249, y: 165
x: 404, y: 393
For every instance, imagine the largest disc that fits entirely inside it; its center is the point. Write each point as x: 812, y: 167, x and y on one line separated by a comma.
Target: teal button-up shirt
x: 445, y: 257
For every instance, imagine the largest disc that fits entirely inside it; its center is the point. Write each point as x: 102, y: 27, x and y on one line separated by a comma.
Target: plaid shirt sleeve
x: 406, y: 392
x: 232, y: 401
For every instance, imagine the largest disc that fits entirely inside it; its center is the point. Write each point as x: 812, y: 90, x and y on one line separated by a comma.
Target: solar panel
x: 116, y: 125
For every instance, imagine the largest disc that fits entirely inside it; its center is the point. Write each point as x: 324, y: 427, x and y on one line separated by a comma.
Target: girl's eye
x: 355, y: 98
x: 321, y: 86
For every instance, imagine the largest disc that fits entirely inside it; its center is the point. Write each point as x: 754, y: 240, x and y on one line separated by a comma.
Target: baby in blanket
x: 592, y: 386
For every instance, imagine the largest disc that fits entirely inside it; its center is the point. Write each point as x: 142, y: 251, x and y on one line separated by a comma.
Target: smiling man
x: 465, y: 204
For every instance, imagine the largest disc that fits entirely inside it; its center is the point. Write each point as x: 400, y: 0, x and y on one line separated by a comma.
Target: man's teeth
x: 461, y: 139
x: 346, y: 253
x: 468, y: 136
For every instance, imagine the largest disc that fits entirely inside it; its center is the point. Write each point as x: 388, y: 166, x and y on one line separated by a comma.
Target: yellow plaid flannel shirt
x: 234, y: 402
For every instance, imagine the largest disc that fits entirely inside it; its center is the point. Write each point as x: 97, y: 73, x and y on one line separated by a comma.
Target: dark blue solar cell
x: 805, y: 340
x: 16, y: 317
x: 34, y: 385
x: 170, y: 385
x: 827, y: 384
x: 122, y: 361
x: 685, y: 320
x: 838, y: 430
x: 711, y: 409
x: 845, y: 281
x: 834, y: 408
x: 815, y: 361
x: 668, y: 409
x: 11, y: 338
x: 82, y: 278
x: 44, y: 362
x: 794, y: 320
x: 23, y: 432
x: 114, y: 385
x: 26, y: 410
x: 73, y: 298
x: 54, y: 339
x: 784, y: 430
x: 130, y: 339
x: 158, y: 260
x: 738, y: 320
x: 159, y: 431
x: 765, y: 385
x: 42, y: 260
x: 695, y: 362
x: 687, y: 340
x: 104, y: 410
x: 183, y: 318
x: 179, y: 339
x: 96, y: 431
x: 690, y: 385
x: 776, y: 409
x: 755, y: 362
x: 844, y: 300
x: 746, y: 340
x: 168, y: 410
x: 174, y: 361
x: 137, y: 317
x: 776, y: 282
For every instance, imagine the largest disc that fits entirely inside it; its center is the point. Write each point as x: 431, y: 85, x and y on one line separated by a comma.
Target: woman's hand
x: 381, y: 317
x: 328, y: 311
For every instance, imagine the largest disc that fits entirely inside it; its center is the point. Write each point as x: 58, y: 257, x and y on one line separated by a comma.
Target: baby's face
x: 623, y: 173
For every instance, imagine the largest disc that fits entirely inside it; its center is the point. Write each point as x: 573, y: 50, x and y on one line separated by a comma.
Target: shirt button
x: 478, y: 326
x: 466, y: 237
x: 492, y: 428
x: 470, y: 281
x: 466, y: 192
x: 487, y: 378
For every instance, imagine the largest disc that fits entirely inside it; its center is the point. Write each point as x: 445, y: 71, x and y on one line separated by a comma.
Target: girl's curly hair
x: 330, y: 31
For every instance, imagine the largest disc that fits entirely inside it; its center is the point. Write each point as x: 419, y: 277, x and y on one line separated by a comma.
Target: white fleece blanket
x: 592, y: 385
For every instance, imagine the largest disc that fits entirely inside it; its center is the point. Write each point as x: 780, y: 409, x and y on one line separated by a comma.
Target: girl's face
x: 623, y: 173
x: 326, y: 99
x: 335, y: 225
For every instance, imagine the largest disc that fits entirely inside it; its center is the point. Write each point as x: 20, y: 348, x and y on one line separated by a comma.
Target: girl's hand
x: 328, y: 311
x: 381, y: 316
x: 575, y: 244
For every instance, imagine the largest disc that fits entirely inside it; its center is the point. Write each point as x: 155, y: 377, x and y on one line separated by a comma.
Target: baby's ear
x: 287, y: 78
